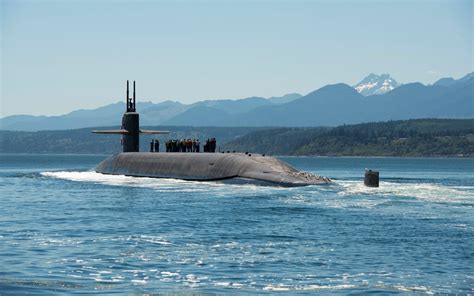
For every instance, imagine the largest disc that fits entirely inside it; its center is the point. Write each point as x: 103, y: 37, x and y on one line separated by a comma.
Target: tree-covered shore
x: 421, y: 137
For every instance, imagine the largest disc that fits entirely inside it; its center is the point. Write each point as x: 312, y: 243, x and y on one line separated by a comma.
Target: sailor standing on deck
x: 157, y: 145
x: 151, y: 145
x: 190, y: 145
x: 213, y: 144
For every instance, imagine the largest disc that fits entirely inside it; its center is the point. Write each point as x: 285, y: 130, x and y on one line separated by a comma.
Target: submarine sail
x: 130, y: 130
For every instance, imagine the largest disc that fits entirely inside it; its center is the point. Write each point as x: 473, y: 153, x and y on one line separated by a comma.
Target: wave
x: 423, y: 191
x: 338, y: 287
x: 431, y: 192
x: 160, y: 184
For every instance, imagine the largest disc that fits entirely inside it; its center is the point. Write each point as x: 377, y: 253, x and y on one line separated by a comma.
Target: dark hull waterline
x: 228, y: 167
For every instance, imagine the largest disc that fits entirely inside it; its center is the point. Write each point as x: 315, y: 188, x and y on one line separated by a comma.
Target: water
x: 65, y: 229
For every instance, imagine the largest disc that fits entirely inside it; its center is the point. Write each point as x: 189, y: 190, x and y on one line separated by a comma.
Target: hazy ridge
x: 330, y: 105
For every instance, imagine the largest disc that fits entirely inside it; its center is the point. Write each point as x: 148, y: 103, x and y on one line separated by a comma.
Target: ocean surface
x: 65, y: 229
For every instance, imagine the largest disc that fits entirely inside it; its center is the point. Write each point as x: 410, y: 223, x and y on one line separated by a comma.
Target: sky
x: 59, y: 56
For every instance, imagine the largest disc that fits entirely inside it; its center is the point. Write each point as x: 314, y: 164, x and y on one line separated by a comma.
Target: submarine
x: 234, y: 168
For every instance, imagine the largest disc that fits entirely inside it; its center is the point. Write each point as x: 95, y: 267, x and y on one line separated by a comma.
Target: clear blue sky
x: 58, y: 56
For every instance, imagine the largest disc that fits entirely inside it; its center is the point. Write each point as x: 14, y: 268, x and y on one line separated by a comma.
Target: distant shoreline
x: 433, y: 138
x: 285, y: 156
x: 402, y: 138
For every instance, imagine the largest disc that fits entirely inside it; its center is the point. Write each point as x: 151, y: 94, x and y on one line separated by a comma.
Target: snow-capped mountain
x: 375, y: 84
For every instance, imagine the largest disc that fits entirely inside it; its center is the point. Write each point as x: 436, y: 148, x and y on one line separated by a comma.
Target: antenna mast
x: 131, y: 102
x: 134, y: 101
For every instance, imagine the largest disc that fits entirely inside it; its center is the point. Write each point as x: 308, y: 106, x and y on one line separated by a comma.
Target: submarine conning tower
x: 131, y: 123
x: 130, y: 129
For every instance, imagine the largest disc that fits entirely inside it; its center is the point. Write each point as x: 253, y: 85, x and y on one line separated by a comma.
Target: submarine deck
x: 208, y: 167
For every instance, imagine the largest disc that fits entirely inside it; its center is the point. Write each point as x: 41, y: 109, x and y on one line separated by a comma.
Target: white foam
x: 118, y: 180
x: 277, y: 288
x: 159, y: 184
x: 149, y: 239
x: 314, y: 287
x: 423, y: 191
x: 423, y: 289
x: 325, y: 287
x: 169, y: 274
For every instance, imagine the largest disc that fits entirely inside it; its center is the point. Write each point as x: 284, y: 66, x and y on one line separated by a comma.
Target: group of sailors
x: 154, y: 146
x: 210, y: 145
x: 184, y: 145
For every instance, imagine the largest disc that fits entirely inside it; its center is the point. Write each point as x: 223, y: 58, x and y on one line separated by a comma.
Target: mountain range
x: 375, y: 98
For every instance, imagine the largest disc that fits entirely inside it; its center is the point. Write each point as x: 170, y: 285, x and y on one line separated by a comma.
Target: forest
x: 420, y: 137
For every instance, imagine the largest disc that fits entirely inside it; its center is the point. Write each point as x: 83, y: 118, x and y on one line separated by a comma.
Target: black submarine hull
x: 229, y: 167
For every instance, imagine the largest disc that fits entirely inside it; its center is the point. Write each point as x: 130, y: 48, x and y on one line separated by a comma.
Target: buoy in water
x: 371, y: 178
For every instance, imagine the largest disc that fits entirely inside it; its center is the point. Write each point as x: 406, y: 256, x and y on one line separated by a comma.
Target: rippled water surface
x: 66, y: 229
